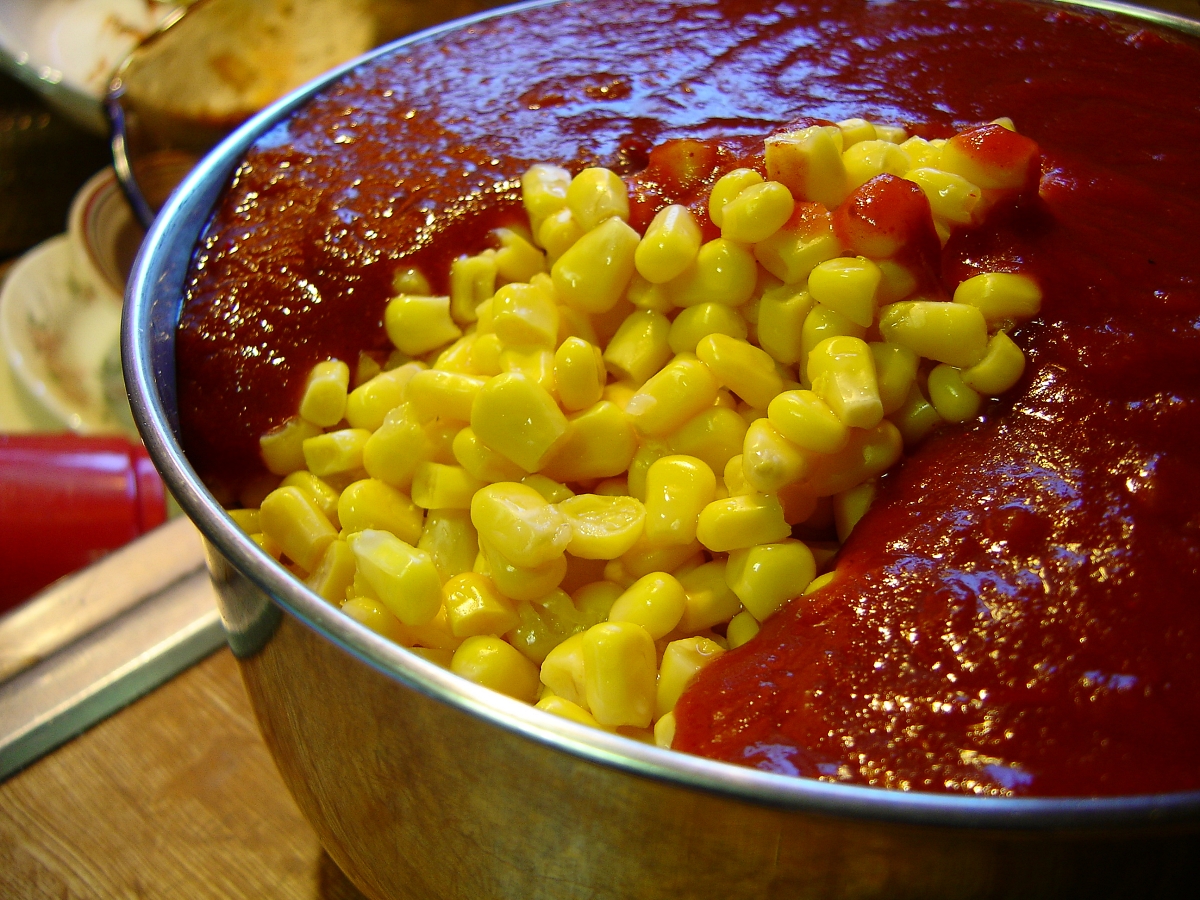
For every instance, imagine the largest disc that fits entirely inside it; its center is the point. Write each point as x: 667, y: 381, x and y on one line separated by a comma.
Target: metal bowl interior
x: 424, y: 785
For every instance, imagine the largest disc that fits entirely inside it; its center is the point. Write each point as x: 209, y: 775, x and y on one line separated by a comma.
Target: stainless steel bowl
x: 422, y: 785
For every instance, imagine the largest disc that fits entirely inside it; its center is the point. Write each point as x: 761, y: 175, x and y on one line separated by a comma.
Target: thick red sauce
x: 1019, y: 612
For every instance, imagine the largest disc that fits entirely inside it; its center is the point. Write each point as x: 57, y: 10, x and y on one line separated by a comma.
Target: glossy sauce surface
x: 1017, y: 612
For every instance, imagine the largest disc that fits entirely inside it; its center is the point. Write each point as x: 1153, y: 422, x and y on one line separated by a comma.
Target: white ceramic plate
x: 60, y: 340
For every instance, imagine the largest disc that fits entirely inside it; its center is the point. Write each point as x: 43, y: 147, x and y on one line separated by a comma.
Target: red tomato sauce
x: 1017, y: 612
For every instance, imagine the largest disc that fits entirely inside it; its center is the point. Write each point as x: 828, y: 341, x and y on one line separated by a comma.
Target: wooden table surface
x: 174, y: 796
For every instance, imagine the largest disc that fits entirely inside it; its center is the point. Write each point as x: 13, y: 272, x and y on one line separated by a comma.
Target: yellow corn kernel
x: 951, y: 333
x: 769, y: 460
x: 474, y: 606
x: 450, y: 540
x: 600, y: 443
x: 246, y: 519
x: 767, y: 576
x: 579, y: 373
x: 723, y: 272
x: 368, y: 403
x: 640, y: 347
x: 964, y: 155
x: 713, y: 436
x: 734, y: 479
x: 893, y: 134
x: 850, y: 506
x: 922, y: 153
x: 664, y: 731
x: 325, y: 495
x: 371, y: 612
x: 847, y: 285
x: 439, y: 486
x: 562, y: 671
x: 1000, y: 368
x: 402, y: 576
x: 954, y: 400
x: 865, y: 160
x: 535, y: 363
x: 655, y: 601
x: 592, y: 273
x: 335, y: 451
x: 669, y: 246
x: 282, y: 448
x: 869, y: 452
x: 594, y: 195
x: 639, y: 465
x: 409, y: 281
x: 808, y: 163
x: 397, y: 447
x: 483, y: 355
x: 544, y: 192
x: 951, y: 197
x: 620, y: 673
x: 602, y: 527
x: 553, y: 491
x: 481, y: 461
x: 842, y: 372
x: 334, y: 573
x: 897, y: 283
x: 434, y: 634
x: 726, y: 188
x: 517, y: 259
x: 565, y: 709
x: 438, y: 394
x: 525, y: 314
x: 519, y: 523
x: 645, y: 295
x: 558, y: 233
x: 418, y: 324
x: 792, y: 251
x: 489, y: 661
x: 595, y: 599
x: 740, y: 366
x: 916, y: 418
x: 855, y: 131
x: 545, y: 623
x: 808, y: 421
x: 677, y: 489
x: 523, y: 582
x: 696, y: 322
x: 681, y: 389
x: 781, y: 315
x: 645, y: 557
x: 291, y: 519
x: 324, y: 400
x: 741, y: 521
x: 372, y: 504
x: 612, y: 487
x: 708, y: 599
x: 435, y: 655
x: 472, y: 281
x: 518, y: 419
x: 1002, y: 297
x: 757, y: 212
x: 741, y: 629
x: 895, y: 372
x: 822, y: 323
x: 681, y: 661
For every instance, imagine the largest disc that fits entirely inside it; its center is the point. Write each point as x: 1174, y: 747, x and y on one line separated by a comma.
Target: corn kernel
x: 481, y: 461
x: 523, y: 582
x: 952, y: 333
x: 681, y: 661
x: 372, y: 504
x: 723, y: 272
x: 664, y: 731
x: 869, y: 452
x: 643, y: 458
x: 805, y: 240
x: 726, y: 188
x: 544, y: 192
x: 545, y: 623
x: 842, y: 372
x: 645, y: 557
x: 418, y: 324
x: 1000, y: 368
x: 769, y: 460
x: 579, y: 373
x: 409, y: 281
x: 450, y: 540
x: 246, y: 519
x: 600, y: 443
x: 669, y: 245
x: 594, y: 195
x: 325, y: 495
x: 681, y: 389
x: 439, y: 486
x: 866, y: 159
x: 781, y: 315
x: 741, y: 629
x: 1001, y: 297
x: 334, y: 573
x: 517, y: 259
x: 472, y: 281
x: 489, y: 661
x: 850, y: 506
x: 991, y: 156
x: 519, y: 523
x: 895, y: 372
x: 402, y: 576
x: 518, y: 419
x: 558, y: 233
x: 954, y: 400
x: 435, y: 655
x: 371, y: 612
x: 640, y: 347
x: 324, y: 400
x: 822, y: 323
x: 553, y: 491
x: 438, y: 394
x: 397, y: 447
x: 525, y: 314
x: 855, y: 131
x: 562, y: 671
x: 757, y: 212
x: 713, y: 436
x: 655, y: 601
x: 767, y: 576
x: 922, y: 153
x: 602, y: 527
x: 645, y: 295
x: 368, y: 403
x: 474, y: 606
x: 677, y: 489
x: 535, y: 363
x: 808, y: 421
x: 434, y: 634
x: 620, y: 674
x: 808, y: 163
x: 708, y: 599
x: 951, y: 197
x: 897, y: 283
x: 595, y: 599
x: 847, y: 285
x: 592, y: 273
x: 734, y: 479
x: 565, y: 709
x: 291, y: 519
x: 335, y: 451
x: 916, y: 418
x: 696, y: 322
x: 741, y: 521
x: 282, y: 448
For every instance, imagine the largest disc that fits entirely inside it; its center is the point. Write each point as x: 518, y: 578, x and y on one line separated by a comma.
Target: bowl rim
x: 157, y: 279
